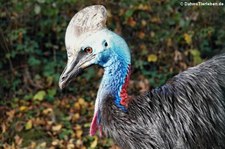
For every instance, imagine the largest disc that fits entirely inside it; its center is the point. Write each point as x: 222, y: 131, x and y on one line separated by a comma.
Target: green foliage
x: 164, y: 38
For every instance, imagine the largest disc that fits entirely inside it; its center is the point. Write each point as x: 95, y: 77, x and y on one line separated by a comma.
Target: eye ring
x: 88, y: 50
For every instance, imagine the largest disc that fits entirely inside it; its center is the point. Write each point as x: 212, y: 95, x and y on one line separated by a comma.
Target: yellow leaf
x: 79, y: 143
x: 57, y: 127
x: 70, y: 146
x: 47, y: 111
x: 77, y: 106
x: 94, y: 143
x: 81, y: 101
x: 55, y: 142
x: 43, y: 145
x: 39, y: 95
x: 28, y: 125
x: 79, y: 133
x: 152, y: 58
x: 76, y: 116
x: 23, y: 108
x: 187, y: 38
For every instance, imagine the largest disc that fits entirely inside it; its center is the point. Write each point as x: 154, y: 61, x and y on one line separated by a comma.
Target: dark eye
x: 106, y: 44
x: 88, y: 50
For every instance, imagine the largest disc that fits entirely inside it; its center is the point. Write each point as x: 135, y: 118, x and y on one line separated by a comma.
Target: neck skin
x: 114, y: 83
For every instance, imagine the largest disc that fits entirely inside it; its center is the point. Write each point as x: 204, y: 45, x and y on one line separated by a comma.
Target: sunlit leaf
x: 28, y: 125
x: 152, y: 58
x: 23, y: 108
x: 47, y: 111
x: 94, y: 143
x: 187, y: 38
x: 196, y: 56
x: 55, y: 142
x: 75, y: 117
x: 39, y: 95
x: 57, y: 127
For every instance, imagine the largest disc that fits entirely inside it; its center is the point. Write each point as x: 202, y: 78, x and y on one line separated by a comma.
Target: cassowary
x: 188, y: 112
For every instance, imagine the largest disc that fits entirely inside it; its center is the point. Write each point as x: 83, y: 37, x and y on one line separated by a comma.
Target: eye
x: 88, y: 50
x: 106, y: 44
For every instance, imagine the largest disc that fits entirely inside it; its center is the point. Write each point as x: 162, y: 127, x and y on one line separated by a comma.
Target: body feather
x: 187, y: 112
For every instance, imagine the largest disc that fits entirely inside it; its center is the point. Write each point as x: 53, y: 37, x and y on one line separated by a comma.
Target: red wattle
x: 95, y: 126
x: 123, y: 92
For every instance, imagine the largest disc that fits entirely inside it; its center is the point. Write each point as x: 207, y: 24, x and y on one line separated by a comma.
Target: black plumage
x: 187, y: 112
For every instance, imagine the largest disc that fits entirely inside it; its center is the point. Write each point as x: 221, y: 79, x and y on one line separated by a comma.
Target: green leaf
x: 129, y: 13
x: 196, y: 56
x: 39, y: 95
x: 32, y: 61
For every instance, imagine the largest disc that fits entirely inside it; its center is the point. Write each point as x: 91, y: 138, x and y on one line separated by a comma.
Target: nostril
x: 64, y: 77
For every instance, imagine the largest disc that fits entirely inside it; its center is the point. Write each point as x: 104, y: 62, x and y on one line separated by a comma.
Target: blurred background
x: 165, y: 38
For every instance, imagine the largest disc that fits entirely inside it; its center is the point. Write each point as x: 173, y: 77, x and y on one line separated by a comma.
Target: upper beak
x: 71, y: 70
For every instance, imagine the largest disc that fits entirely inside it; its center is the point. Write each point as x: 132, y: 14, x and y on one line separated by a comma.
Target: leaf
x: 39, y: 95
x: 196, y: 56
x: 47, y: 111
x: 187, y: 38
x: 57, y: 128
x: 131, y: 22
x: 4, y: 128
x: 82, y: 102
x: 75, y: 117
x: 94, y: 143
x: 129, y: 13
x: 37, y: 9
x: 23, y: 108
x: 18, y: 140
x: 152, y: 58
x: 28, y: 125
x: 55, y: 142
x: 79, y: 133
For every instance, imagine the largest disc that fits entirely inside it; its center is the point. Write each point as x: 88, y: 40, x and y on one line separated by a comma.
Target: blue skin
x: 115, y: 61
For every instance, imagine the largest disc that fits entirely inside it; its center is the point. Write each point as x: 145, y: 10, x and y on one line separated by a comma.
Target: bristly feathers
x: 188, y: 112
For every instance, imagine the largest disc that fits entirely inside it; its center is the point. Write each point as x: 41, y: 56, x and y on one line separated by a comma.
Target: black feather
x: 186, y: 113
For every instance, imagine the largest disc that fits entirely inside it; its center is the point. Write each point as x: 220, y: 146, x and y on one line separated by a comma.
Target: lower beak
x: 68, y: 74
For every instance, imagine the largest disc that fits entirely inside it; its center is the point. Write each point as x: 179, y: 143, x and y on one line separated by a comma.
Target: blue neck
x: 116, y: 63
x: 115, y: 73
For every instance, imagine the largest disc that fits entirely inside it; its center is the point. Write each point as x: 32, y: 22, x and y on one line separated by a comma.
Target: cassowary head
x: 89, y: 42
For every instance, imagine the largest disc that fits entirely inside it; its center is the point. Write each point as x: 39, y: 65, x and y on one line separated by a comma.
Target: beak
x: 68, y: 73
x: 73, y: 68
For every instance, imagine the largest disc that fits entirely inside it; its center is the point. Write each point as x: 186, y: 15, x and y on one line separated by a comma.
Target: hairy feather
x: 188, y: 112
